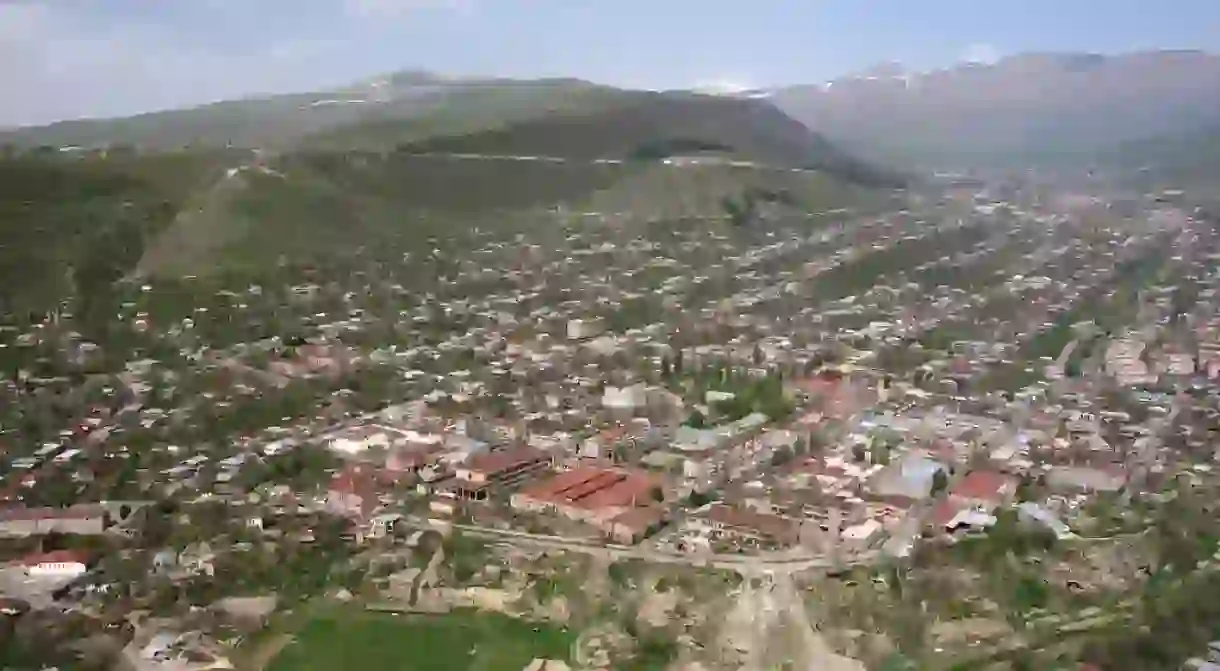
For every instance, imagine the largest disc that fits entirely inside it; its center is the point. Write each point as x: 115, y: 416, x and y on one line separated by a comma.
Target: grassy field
x: 460, y: 640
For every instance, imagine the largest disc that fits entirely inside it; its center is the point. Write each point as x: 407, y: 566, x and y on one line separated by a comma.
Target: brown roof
x: 463, y: 485
x: 640, y: 519
x: 79, y: 511
x: 981, y: 485
x: 562, y: 482
x: 627, y: 491
x: 499, y: 461
x: 360, y: 480
x: 943, y: 513
x: 893, y: 500
x: 771, y: 526
x: 592, y: 488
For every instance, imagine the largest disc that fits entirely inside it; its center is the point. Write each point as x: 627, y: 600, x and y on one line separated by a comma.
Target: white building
x: 60, y: 564
x: 358, y: 439
x: 625, y: 398
x: 583, y: 329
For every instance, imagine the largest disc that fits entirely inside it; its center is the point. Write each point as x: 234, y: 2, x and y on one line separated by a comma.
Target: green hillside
x: 75, y: 223
x: 463, y: 110
x: 318, y: 204
x: 71, y: 227
x: 357, y: 116
x: 321, y: 206
x: 632, y: 123
x: 1188, y: 159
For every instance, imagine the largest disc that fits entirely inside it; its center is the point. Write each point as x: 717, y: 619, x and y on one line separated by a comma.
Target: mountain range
x: 388, y: 163
x: 1057, y: 109
x: 1024, y: 110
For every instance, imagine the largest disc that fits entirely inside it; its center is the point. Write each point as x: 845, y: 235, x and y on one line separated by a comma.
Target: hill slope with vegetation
x: 87, y: 219
x: 311, y: 203
x: 407, y: 106
x: 1189, y: 158
x: 69, y: 228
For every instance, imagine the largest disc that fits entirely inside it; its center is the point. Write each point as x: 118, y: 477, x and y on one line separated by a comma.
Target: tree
x: 883, y: 456
x: 782, y: 456
x: 940, y: 482
x: 696, y: 420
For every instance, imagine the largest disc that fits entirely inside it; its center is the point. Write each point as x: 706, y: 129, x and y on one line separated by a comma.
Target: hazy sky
x: 73, y: 58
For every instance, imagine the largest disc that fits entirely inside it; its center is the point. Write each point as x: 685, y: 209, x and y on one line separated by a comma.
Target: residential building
x: 498, y: 469
x: 58, y: 564
x: 81, y: 519
x: 589, y: 494
x: 983, y: 489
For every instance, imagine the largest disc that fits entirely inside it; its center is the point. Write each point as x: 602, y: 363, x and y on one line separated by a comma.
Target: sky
x: 63, y: 59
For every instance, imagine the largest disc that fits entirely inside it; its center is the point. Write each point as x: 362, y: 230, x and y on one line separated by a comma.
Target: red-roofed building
x: 942, y: 514
x: 353, y: 493
x: 503, y: 468
x: 986, y: 489
x: 594, y: 495
x: 409, y: 461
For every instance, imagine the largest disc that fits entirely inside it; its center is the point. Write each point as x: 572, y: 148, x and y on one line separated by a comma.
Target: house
x: 583, y: 329
x: 950, y: 516
x: 357, y: 439
x: 172, y: 651
x: 984, y: 489
x: 1032, y: 513
x: 722, y: 522
x: 13, y: 607
x: 408, y: 461
x: 197, y: 559
x: 383, y: 525
x: 636, y: 524
x: 56, y: 564
x: 691, y: 439
x: 353, y: 492
x: 863, y: 534
x: 589, y: 494
x: 503, y: 469
x: 912, y: 477
x: 625, y: 400
x: 81, y: 519
x: 1110, y: 478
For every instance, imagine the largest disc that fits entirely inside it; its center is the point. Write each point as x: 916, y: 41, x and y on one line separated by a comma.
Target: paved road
x: 677, y: 162
x: 767, y: 562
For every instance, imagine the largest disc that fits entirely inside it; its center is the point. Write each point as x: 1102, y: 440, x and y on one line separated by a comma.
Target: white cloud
x: 981, y: 52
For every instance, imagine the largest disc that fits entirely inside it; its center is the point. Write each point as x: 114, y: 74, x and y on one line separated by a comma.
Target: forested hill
x: 71, y: 226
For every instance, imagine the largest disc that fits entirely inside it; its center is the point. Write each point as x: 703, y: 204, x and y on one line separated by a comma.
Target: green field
x: 460, y: 640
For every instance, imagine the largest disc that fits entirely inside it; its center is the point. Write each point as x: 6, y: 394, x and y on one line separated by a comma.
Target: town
x: 954, y: 429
